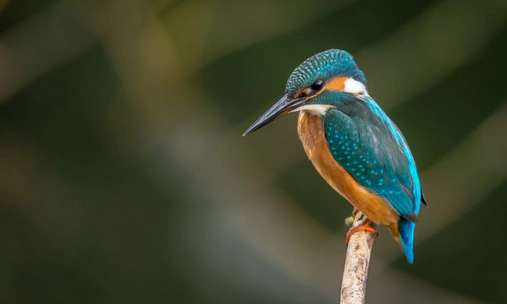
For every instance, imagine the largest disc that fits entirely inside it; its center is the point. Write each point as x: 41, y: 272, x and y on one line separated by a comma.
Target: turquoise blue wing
x: 374, y: 152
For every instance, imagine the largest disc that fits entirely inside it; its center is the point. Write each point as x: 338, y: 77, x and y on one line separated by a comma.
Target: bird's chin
x: 314, y: 109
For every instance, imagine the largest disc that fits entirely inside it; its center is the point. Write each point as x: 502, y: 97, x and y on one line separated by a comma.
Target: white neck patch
x: 354, y: 87
x: 315, y: 109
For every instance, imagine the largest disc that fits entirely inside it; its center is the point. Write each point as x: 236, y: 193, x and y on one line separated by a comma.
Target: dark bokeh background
x: 124, y: 177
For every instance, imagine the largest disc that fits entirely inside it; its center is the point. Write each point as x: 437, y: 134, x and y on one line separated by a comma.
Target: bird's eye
x: 317, y: 85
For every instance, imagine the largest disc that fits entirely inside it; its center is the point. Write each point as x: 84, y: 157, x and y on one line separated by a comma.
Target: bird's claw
x: 349, y: 221
x: 365, y: 225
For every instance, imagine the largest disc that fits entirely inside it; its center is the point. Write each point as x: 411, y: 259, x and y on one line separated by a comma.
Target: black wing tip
x: 423, y: 200
x: 411, y: 217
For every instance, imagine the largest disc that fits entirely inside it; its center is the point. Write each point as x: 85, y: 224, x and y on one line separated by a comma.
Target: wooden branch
x: 357, y: 261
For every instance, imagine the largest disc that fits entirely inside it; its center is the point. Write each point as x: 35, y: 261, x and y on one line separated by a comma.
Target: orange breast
x: 311, y: 133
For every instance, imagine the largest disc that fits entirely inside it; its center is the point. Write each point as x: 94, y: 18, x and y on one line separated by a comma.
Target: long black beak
x: 282, y: 107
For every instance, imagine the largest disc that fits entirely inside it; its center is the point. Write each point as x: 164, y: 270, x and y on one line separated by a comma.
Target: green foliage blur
x: 124, y: 177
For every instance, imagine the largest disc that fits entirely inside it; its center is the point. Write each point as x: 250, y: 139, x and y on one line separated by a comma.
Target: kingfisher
x: 353, y: 144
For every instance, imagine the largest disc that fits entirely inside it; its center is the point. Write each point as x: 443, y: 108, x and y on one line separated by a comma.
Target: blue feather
x: 366, y: 143
x: 323, y: 66
x: 407, y: 229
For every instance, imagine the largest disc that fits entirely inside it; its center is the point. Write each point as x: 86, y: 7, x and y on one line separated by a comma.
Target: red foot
x: 366, y: 225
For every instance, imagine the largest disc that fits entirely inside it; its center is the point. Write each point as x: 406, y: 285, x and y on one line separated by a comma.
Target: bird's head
x: 315, y: 86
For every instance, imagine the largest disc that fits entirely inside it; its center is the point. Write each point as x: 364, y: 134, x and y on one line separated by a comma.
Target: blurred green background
x: 124, y: 177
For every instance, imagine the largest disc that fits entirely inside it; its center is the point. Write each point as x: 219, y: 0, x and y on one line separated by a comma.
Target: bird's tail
x: 403, y: 232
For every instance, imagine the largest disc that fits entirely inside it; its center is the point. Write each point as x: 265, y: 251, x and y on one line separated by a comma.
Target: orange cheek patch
x: 300, y: 93
x: 336, y: 84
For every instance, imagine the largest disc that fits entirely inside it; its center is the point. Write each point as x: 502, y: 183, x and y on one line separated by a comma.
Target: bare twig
x: 357, y: 260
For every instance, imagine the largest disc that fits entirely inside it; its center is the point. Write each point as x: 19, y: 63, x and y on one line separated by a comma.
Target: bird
x: 353, y: 144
